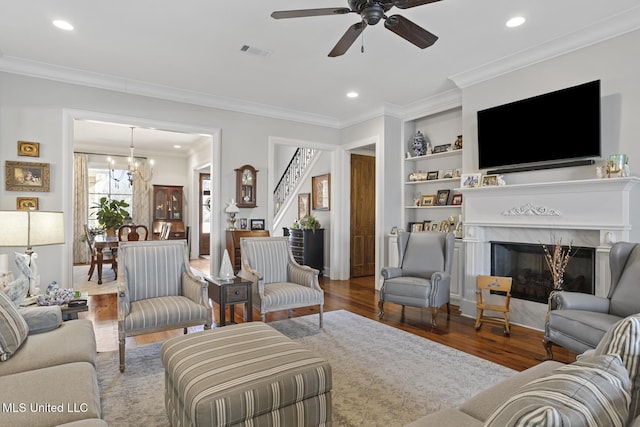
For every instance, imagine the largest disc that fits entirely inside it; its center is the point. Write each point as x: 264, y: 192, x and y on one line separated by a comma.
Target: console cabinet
x: 233, y: 244
x: 168, y: 207
x: 307, y: 246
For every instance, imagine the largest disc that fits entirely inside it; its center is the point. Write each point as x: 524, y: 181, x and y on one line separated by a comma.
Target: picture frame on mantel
x: 27, y: 176
x: 321, y: 192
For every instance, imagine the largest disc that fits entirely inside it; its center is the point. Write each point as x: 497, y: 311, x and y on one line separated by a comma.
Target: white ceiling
x: 193, y: 48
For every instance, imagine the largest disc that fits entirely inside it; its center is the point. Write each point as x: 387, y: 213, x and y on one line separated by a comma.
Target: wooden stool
x: 487, y: 285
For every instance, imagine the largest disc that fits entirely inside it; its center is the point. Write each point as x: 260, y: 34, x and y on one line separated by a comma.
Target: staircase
x: 290, y: 181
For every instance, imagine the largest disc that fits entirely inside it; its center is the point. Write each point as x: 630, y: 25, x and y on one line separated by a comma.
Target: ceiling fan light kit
x: 371, y: 12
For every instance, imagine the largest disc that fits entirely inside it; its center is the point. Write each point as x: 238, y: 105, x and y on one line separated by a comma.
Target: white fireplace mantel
x: 594, y: 213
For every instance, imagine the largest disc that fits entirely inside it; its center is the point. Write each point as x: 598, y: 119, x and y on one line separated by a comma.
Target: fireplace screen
x: 526, y: 264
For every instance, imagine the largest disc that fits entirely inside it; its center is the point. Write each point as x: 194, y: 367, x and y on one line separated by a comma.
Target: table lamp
x: 232, y: 209
x: 31, y: 228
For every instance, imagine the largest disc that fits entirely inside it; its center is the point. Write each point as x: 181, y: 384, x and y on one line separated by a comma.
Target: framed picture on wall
x: 303, y: 205
x: 321, y: 192
x: 26, y: 176
x: 26, y: 203
x: 27, y: 148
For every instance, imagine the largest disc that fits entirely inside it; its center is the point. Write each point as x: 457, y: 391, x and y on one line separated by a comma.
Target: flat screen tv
x: 548, y: 130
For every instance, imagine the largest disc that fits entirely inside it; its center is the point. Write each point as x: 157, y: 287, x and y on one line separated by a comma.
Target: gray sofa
x: 602, y: 387
x: 51, y: 380
x: 475, y: 411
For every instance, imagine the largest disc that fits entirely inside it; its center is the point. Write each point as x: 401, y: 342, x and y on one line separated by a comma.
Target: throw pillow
x: 623, y: 340
x: 590, y: 392
x: 17, y: 290
x: 13, y: 328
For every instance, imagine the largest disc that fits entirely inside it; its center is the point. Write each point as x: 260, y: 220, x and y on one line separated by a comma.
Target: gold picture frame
x: 27, y: 176
x: 27, y: 203
x: 304, y: 208
x: 28, y: 148
x: 428, y: 200
x: 321, y: 192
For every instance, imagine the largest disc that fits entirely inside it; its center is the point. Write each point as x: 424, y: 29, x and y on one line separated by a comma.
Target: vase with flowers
x: 557, y: 260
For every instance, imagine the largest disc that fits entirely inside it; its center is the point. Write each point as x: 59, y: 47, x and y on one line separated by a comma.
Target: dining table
x: 100, y: 242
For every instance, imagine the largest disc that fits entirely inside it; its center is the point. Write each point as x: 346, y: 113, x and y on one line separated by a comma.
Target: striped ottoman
x: 245, y: 374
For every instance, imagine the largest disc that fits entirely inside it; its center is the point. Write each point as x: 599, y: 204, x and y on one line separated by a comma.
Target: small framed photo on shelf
x: 257, y: 224
x: 27, y: 148
x: 27, y: 203
x: 394, y: 230
x: 447, y: 174
x: 470, y: 180
x: 434, y: 226
x: 445, y: 226
x: 432, y: 175
x: 416, y: 226
x: 243, y: 223
x: 490, y: 180
x: 426, y: 225
x: 456, y: 199
x: 442, y: 197
x: 428, y: 200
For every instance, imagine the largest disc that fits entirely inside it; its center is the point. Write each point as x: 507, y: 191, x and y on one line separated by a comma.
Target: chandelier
x: 135, y: 169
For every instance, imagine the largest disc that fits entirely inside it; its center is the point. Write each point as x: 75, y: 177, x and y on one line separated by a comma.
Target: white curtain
x: 141, y: 196
x: 81, y: 253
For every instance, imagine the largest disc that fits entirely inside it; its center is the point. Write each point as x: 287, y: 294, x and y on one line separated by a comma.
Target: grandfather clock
x: 246, y: 180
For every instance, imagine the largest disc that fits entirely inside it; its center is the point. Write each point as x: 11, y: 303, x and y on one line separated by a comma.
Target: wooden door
x: 205, y: 214
x: 363, y: 215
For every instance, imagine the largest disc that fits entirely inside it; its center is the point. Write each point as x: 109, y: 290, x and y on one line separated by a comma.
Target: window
x: 110, y: 183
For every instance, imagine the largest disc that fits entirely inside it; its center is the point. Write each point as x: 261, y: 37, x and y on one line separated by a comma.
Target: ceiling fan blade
x: 347, y: 39
x: 409, y: 31
x: 310, y: 12
x: 406, y: 4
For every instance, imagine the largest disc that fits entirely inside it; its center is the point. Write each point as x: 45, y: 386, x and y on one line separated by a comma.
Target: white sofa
x: 50, y: 379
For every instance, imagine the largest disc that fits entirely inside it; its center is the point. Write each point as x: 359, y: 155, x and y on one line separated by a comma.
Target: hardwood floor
x: 519, y: 351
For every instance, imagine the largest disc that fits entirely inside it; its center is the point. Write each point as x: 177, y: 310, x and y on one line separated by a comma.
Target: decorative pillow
x: 590, y: 392
x: 17, y: 290
x: 13, y: 328
x: 623, y: 340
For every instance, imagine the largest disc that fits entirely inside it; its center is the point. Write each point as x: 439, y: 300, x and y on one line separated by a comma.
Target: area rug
x: 382, y: 376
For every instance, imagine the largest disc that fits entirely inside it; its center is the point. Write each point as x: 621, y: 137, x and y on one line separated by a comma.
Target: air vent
x: 255, y: 51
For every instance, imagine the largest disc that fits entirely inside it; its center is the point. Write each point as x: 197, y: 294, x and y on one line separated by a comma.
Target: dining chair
x: 132, y: 233
x: 107, y: 256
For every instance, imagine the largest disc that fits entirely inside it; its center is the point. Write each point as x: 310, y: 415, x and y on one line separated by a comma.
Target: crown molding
x: 606, y: 29
x: 42, y: 70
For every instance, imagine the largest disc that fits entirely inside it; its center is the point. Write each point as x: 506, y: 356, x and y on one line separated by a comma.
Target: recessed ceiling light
x: 63, y: 25
x: 516, y: 21
x: 352, y: 94
x: 177, y: 146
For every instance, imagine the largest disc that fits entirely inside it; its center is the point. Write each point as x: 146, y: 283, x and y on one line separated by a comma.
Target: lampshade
x: 232, y: 207
x: 31, y: 228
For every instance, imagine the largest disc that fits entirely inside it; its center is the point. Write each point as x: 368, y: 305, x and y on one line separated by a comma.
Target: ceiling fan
x: 371, y: 11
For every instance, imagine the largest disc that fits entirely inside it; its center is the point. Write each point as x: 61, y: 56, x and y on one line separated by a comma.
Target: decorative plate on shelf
x: 418, y: 146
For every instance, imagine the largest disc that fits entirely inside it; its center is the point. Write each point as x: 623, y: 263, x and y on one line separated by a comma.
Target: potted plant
x: 111, y: 214
x: 309, y: 222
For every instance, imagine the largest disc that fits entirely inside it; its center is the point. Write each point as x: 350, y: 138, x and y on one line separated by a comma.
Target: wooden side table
x: 229, y: 293
x: 71, y: 313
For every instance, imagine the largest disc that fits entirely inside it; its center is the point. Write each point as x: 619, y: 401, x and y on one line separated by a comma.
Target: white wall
x: 33, y: 109
x: 614, y: 62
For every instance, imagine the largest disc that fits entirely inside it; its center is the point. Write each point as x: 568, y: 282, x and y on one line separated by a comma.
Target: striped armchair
x: 279, y: 282
x: 157, y: 290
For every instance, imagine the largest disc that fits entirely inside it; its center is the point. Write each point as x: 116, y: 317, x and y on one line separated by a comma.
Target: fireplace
x: 532, y: 281
x: 593, y: 214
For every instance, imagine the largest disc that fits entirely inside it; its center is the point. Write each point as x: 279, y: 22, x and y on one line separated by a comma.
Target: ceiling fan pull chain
x: 362, y: 41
